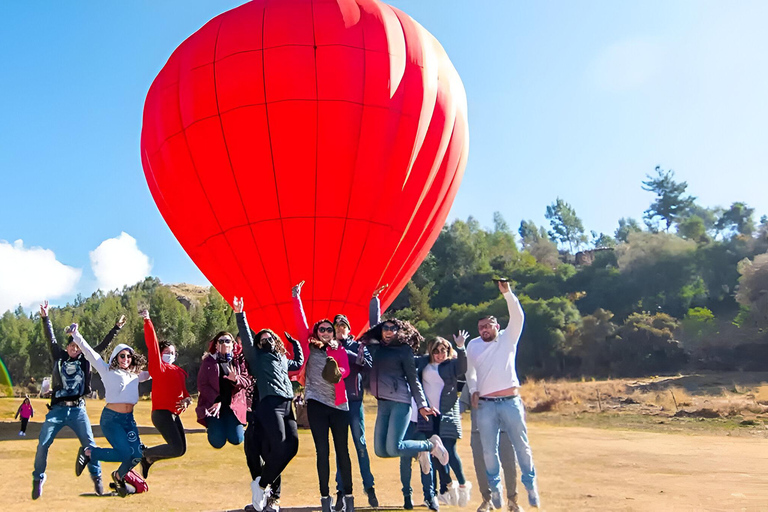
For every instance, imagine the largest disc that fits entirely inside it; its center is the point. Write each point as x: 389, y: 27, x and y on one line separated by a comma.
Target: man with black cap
x: 70, y: 382
x: 359, y: 360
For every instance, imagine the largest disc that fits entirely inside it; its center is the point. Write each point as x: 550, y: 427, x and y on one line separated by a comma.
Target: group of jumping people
x: 245, y: 395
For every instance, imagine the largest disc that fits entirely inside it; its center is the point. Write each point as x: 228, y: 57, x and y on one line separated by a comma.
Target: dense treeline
x: 688, y: 289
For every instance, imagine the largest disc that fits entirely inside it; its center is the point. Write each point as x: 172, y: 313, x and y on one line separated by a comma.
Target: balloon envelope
x: 306, y: 140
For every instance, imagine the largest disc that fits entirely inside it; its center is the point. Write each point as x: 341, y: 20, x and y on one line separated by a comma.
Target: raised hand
x: 44, y: 309
x: 504, y: 286
x: 380, y: 289
x: 121, y: 321
x: 460, y: 338
x: 238, y: 304
x: 72, y: 329
x: 144, y: 314
x: 296, y: 290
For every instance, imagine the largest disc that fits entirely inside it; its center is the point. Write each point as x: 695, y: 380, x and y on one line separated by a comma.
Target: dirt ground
x: 579, y: 469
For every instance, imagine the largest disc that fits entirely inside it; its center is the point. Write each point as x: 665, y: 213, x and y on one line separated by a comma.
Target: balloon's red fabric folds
x: 317, y: 140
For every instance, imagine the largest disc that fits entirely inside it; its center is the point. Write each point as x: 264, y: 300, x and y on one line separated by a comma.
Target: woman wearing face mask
x: 170, y: 398
x: 268, y: 360
x: 394, y: 381
x: 121, y: 379
x: 222, y: 385
x: 326, y: 395
x: 439, y: 372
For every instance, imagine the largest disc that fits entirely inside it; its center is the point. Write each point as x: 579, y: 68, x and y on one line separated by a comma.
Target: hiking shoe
x: 533, y: 496
x: 496, y: 499
x: 81, y: 461
x: 120, y: 487
x: 407, y: 502
x: 349, y: 503
x: 145, y: 465
x: 273, y: 504
x: 326, y: 503
x: 339, y: 505
x: 424, y: 462
x: 432, y: 503
x: 438, y: 450
x: 98, y: 485
x: 485, y: 506
x: 465, y: 494
x: 373, y: 501
x: 37, y: 487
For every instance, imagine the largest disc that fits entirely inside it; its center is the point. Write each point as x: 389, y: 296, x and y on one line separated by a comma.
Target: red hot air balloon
x: 317, y: 140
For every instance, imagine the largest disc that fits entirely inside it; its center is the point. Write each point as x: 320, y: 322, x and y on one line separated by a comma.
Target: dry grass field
x: 639, y: 459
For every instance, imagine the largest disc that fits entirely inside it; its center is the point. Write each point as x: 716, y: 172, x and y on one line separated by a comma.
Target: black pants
x: 170, y: 427
x: 24, y: 422
x: 278, y: 424
x: 256, y: 445
x: 323, y: 418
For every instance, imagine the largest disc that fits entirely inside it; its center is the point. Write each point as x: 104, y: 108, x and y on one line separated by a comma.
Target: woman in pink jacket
x: 26, y: 412
x: 326, y: 395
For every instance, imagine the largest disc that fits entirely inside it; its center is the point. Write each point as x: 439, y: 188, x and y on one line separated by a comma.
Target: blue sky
x: 572, y: 99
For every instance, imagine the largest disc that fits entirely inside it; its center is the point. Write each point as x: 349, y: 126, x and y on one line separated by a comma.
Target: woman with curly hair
x: 222, y: 386
x: 394, y: 381
x: 270, y: 364
x: 326, y: 395
x: 121, y: 379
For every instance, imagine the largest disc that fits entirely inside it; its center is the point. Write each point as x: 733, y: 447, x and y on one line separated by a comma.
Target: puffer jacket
x: 450, y: 370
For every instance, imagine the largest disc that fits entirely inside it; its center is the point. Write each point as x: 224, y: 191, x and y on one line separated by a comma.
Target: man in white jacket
x: 493, y: 384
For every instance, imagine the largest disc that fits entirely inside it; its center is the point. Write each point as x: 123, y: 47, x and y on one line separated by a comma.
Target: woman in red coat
x: 170, y: 398
x: 222, y: 384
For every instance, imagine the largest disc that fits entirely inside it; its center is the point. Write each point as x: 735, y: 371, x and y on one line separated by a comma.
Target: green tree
x: 567, y: 228
x: 626, y: 226
x: 670, y: 203
x: 753, y: 287
x: 536, y: 242
x: 737, y: 220
x: 693, y: 228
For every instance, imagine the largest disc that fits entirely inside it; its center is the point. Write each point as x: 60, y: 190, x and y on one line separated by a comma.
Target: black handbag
x: 429, y: 425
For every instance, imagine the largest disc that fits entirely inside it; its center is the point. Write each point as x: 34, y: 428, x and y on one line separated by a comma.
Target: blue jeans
x: 122, y: 433
x: 392, y: 421
x: 504, y: 416
x: 405, y: 468
x: 357, y: 427
x: 224, y: 428
x: 58, y: 417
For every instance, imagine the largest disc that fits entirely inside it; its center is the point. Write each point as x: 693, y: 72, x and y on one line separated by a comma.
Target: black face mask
x: 267, y: 347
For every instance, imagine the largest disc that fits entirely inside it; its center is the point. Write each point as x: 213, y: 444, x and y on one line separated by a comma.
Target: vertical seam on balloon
x: 234, y: 178
x: 352, y: 183
x: 269, y: 137
x: 197, y: 174
x: 317, y: 142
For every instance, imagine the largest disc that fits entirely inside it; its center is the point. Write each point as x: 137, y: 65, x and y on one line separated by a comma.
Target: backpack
x: 133, y: 483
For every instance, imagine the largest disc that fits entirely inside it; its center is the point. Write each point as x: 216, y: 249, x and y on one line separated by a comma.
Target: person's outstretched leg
x: 318, y: 415
x: 339, y: 424
x: 169, y: 426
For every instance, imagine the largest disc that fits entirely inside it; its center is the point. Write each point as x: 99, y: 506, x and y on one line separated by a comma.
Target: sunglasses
x: 224, y: 340
x: 125, y: 356
x: 441, y: 349
x: 392, y: 328
x: 268, y: 339
x: 325, y: 329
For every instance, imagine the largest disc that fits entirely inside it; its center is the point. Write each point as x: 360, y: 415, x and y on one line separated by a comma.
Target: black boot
x: 326, y: 503
x: 339, y: 505
x: 407, y: 502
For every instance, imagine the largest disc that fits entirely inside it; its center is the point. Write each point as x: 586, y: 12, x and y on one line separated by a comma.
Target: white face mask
x: 169, y: 358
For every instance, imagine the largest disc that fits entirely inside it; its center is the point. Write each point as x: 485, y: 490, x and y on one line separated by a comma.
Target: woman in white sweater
x: 121, y: 379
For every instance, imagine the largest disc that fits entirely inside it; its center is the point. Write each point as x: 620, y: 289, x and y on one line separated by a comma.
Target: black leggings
x: 256, y: 445
x: 278, y: 424
x: 323, y: 418
x: 24, y: 422
x: 169, y: 425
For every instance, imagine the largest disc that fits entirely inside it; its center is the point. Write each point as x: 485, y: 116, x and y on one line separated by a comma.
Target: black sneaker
x: 120, y: 487
x: 339, y: 505
x: 407, y: 502
x: 37, y: 487
x: 81, y: 461
x: 145, y: 465
x: 372, y: 499
x: 98, y: 485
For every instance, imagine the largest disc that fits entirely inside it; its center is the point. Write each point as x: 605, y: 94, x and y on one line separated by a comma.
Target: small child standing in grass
x: 26, y: 412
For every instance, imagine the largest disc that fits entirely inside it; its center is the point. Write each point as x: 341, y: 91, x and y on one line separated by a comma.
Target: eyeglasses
x: 390, y: 327
x: 224, y: 340
x: 268, y: 339
x: 125, y: 356
x: 325, y: 329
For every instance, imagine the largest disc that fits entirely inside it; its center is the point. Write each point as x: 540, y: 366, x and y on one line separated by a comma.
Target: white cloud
x: 627, y: 65
x: 29, y: 275
x: 117, y: 262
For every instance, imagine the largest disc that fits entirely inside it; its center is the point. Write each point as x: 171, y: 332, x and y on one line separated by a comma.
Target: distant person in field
x: 170, y: 398
x: 25, y: 411
x: 70, y: 382
x: 222, y: 386
x: 360, y: 361
x: 326, y: 395
x: 121, y: 379
x: 394, y: 381
x: 494, y: 387
x: 267, y: 358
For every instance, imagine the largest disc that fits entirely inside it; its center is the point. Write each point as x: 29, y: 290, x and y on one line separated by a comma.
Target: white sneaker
x: 259, y: 494
x: 444, y: 499
x: 424, y: 462
x: 21, y: 433
x: 453, y: 493
x: 438, y: 450
x: 465, y: 494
